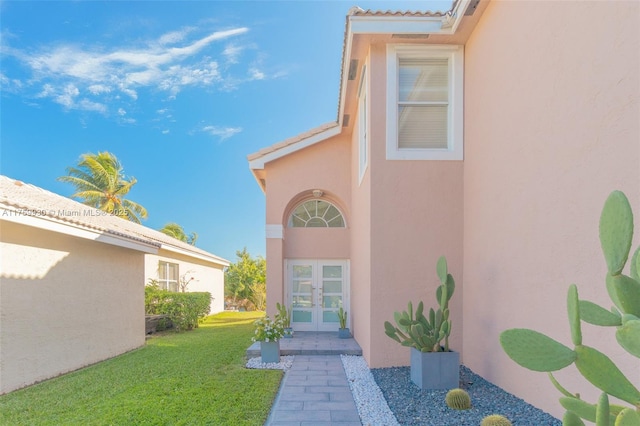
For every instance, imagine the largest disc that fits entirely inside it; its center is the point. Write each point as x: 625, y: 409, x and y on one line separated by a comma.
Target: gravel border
x: 285, y: 363
x: 413, y: 406
x: 372, y: 407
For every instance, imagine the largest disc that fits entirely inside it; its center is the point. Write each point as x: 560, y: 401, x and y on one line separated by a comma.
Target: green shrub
x: 184, y: 309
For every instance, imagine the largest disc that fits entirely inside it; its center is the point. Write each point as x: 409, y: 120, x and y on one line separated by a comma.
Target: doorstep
x: 312, y: 343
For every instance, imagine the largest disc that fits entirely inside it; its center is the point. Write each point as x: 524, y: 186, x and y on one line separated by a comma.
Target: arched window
x: 316, y: 214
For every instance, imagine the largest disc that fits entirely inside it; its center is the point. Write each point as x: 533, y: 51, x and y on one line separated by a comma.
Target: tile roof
x: 356, y: 11
x: 292, y: 140
x: 39, y: 202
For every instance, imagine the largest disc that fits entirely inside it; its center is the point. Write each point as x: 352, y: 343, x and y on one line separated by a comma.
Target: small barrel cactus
x: 458, y: 399
x: 495, y: 420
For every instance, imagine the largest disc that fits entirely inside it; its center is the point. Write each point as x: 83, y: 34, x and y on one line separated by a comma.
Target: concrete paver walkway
x: 315, y: 391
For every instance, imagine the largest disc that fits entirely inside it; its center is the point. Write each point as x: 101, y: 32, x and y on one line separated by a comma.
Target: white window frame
x: 363, y: 129
x: 455, y: 128
x: 164, y: 282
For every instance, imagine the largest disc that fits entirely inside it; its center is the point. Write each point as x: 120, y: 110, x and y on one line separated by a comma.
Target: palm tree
x: 176, y: 231
x: 100, y: 182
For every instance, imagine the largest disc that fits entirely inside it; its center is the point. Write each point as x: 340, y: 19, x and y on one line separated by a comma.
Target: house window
x: 168, y: 276
x: 316, y: 214
x: 363, y: 154
x: 424, y: 102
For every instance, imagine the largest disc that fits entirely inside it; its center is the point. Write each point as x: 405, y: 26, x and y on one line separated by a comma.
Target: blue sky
x: 181, y: 92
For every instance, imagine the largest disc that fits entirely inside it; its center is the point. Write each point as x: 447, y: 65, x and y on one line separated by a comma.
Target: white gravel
x: 371, y: 404
x: 284, y: 364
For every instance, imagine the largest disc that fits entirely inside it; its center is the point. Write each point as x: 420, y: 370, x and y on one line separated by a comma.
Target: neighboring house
x: 491, y: 134
x: 72, y: 282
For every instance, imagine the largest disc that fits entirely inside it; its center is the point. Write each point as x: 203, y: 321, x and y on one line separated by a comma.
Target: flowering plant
x: 268, y: 330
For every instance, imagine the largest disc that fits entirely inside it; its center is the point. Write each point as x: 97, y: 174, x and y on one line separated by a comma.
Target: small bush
x: 184, y: 309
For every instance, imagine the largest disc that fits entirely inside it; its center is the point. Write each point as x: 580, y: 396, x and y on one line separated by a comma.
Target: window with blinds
x: 424, y: 102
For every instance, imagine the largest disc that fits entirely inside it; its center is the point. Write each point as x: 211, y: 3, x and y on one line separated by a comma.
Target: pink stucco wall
x: 291, y: 179
x: 416, y: 216
x: 551, y: 127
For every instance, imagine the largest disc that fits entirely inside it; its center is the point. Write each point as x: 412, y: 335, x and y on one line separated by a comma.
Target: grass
x: 191, y: 378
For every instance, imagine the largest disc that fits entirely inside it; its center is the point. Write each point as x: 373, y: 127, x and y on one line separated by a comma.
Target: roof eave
x: 258, y: 162
x: 445, y: 24
x: 211, y: 259
x: 45, y: 222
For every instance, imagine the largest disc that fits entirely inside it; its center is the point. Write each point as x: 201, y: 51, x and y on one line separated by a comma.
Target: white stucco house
x: 72, y: 282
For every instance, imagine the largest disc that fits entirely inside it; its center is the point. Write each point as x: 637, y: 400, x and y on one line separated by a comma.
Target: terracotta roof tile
x: 292, y: 140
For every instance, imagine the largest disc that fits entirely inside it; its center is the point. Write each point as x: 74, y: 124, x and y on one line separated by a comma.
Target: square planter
x: 344, y: 333
x: 270, y: 351
x: 435, y: 370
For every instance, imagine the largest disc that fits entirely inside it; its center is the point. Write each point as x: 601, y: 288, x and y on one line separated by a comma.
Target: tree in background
x: 245, y: 282
x: 100, y: 183
x: 176, y: 231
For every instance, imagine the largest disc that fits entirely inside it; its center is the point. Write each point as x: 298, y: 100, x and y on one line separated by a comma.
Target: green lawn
x: 191, y: 378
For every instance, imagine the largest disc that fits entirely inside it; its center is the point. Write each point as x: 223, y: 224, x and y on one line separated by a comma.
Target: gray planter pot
x: 288, y: 333
x: 435, y: 370
x: 344, y: 333
x: 270, y: 351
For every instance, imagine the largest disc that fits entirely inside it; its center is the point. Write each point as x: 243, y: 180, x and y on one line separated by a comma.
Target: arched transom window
x: 316, y: 214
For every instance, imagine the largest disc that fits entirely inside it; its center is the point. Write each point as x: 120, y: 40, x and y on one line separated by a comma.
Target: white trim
x: 363, y: 126
x: 259, y: 162
x: 274, y: 231
x: 399, y: 25
x: 455, y: 130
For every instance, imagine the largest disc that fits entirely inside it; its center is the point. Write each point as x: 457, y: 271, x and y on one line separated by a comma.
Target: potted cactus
x: 537, y: 352
x: 284, y: 315
x: 433, y: 365
x: 343, y: 331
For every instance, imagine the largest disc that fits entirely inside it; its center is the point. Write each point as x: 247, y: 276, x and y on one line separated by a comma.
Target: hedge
x: 184, y: 309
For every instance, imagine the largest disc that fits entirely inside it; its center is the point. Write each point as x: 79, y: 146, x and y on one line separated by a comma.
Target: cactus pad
x: 616, y: 231
x: 597, y: 368
x: 536, y: 351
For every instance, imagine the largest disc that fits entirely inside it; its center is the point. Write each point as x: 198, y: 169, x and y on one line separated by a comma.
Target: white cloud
x: 169, y: 63
x: 165, y: 132
x: 232, y: 53
x: 222, y: 132
x: 98, y: 89
x: 121, y: 111
x: 173, y: 36
x: 256, y: 74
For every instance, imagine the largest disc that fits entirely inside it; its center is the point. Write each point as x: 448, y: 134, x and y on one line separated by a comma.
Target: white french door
x: 316, y: 290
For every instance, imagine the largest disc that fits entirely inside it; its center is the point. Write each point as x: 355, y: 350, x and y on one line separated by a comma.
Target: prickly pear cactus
x: 537, y: 352
x: 420, y: 332
x: 458, y: 399
x: 495, y: 420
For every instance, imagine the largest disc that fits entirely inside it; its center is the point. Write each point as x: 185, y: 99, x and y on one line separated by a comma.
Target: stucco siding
x: 207, y: 276
x: 324, y: 166
x: 416, y: 216
x: 551, y: 127
x: 361, y: 241
x: 65, y: 303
